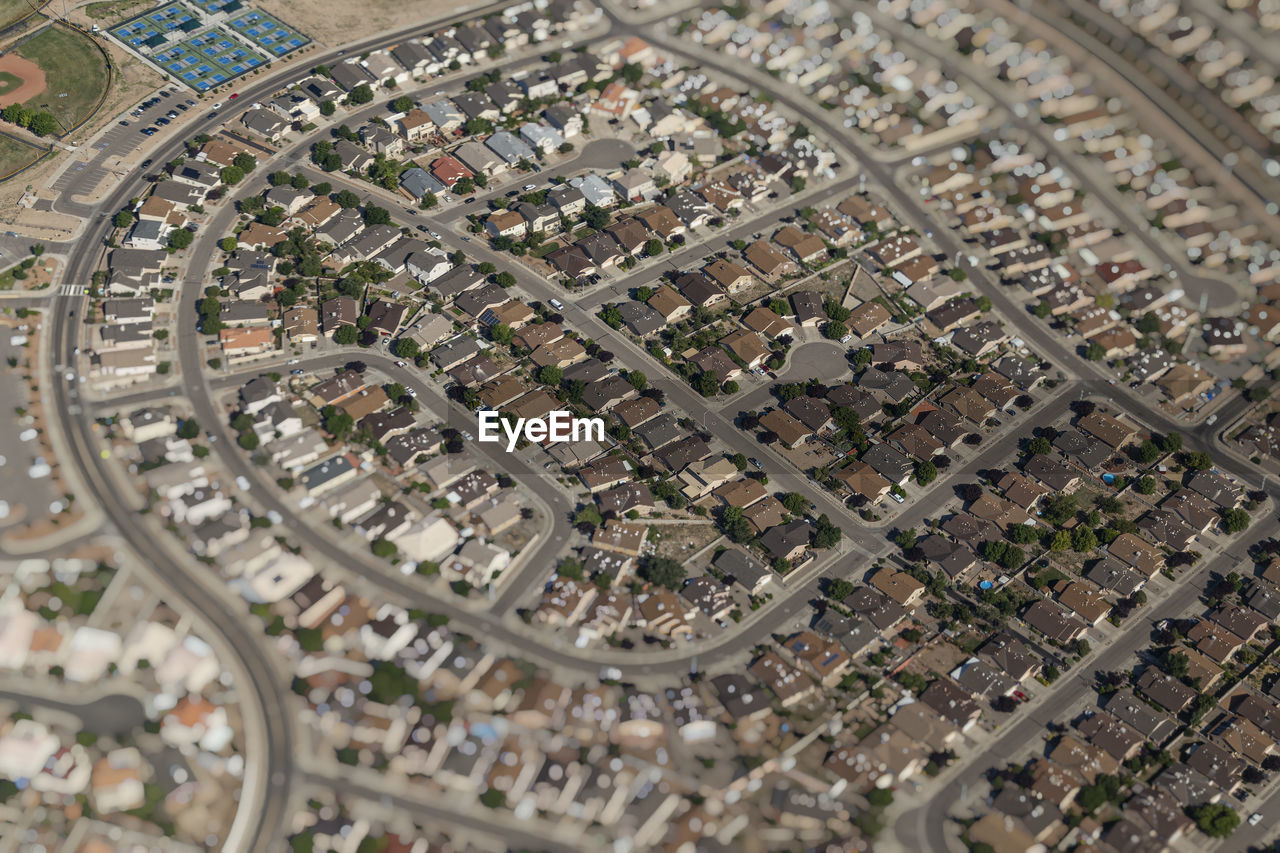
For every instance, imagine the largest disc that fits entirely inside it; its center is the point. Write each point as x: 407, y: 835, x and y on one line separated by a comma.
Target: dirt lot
x: 682, y: 540
x: 338, y: 23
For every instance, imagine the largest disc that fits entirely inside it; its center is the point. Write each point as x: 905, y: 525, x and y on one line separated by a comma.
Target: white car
x: 610, y: 673
x: 896, y: 497
x: 1255, y: 818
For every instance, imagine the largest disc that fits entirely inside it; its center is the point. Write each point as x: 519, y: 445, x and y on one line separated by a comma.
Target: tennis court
x: 268, y: 33
x: 205, y: 43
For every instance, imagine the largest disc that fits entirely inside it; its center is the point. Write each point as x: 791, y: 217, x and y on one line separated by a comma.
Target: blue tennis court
x: 268, y: 33
x: 179, y: 37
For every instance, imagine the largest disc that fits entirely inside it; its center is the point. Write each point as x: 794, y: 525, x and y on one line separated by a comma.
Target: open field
x: 14, y: 154
x: 115, y: 10
x: 332, y: 24
x: 12, y: 11
x: 75, y: 73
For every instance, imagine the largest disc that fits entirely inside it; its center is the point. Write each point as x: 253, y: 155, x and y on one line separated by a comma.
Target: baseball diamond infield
x: 20, y: 79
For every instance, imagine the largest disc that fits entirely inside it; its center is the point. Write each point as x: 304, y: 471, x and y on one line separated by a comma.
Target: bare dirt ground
x: 333, y: 24
x: 33, y: 80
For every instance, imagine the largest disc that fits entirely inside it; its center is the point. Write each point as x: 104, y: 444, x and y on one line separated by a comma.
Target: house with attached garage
x: 381, y: 140
x: 479, y: 159
x: 444, y: 114
x: 385, y: 70
x: 540, y: 137
x: 415, y: 58
x: 418, y: 182
x: 415, y: 125
x: 509, y: 147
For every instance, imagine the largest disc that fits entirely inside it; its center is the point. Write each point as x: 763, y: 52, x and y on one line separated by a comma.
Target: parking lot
x: 122, y: 139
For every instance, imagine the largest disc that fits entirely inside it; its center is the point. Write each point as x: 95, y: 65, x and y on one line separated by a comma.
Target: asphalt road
x: 112, y: 713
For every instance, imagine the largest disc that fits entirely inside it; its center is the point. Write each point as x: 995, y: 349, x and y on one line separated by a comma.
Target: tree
x: 735, y: 525
x: 43, y: 124
x: 1040, y: 446
x: 406, y: 348
x: 1235, y: 520
x: 123, y: 219
x: 1197, y: 461
x: 905, y: 539
x: 227, y: 244
x: 402, y: 104
x: 827, y: 534
x: 1083, y: 539
x: 347, y: 200
x: 245, y: 162
x: 550, y: 375
x: 1171, y: 443
x: 839, y: 589
x: 1216, y: 820
x: 1148, y: 451
x: 662, y: 571
x: 653, y: 247
x: 361, y: 94
x: 383, y: 548
x: 337, y: 422
x: 248, y: 440
x: 180, y: 238
x: 501, y: 333
x: 1095, y: 351
x: 1176, y: 664
x: 375, y: 215
x: 1146, y: 485
x: 346, y: 335
x: 595, y: 217
x: 880, y: 797
x: 1023, y: 534
x: 834, y: 330
x: 1060, y: 541
x: 328, y: 108
x: 189, y: 429
x: 1042, y: 309
x: 926, y: 472
x: 795, y: 503
x: 1059, y: 508
x: 232, y: 175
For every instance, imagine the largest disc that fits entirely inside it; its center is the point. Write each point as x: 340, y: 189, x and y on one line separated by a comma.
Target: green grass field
x: 14, y: 154
x: 75, y: 74
x: 8, y: 82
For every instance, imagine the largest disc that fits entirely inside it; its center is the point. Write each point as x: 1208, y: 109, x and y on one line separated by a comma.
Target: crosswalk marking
x: 73, y: 290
